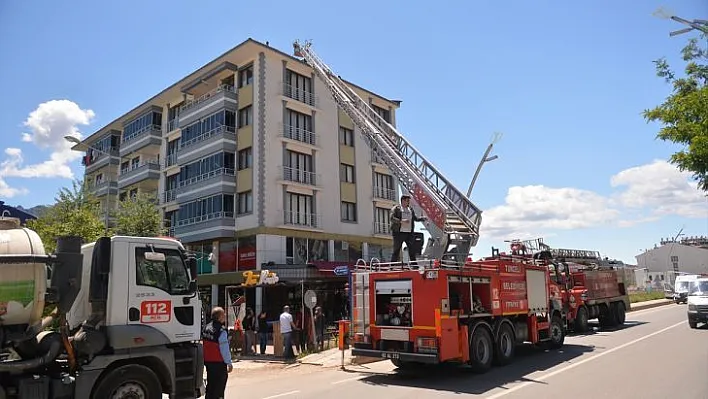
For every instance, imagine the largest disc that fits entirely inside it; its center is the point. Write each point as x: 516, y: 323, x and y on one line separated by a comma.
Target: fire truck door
x: 449, y: 339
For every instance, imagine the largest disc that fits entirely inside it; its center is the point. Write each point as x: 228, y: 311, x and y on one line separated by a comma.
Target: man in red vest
x: 217, y: 356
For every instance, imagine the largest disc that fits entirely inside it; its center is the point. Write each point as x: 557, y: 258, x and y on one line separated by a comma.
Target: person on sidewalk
x: 263, y: 331
x: 319, y: 328
x: 286, y: 330
x: 217, y: 356
x: 249, y: 327
x: 403, y: 220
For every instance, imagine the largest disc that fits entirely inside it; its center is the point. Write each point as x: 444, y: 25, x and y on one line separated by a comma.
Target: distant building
x: 671, y: 257
x: 9, y: 211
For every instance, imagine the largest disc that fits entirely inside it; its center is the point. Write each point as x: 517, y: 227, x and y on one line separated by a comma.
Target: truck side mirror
x: 192, y: 265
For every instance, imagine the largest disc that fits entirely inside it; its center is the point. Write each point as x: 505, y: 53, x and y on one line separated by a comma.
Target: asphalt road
x: 656, y: 355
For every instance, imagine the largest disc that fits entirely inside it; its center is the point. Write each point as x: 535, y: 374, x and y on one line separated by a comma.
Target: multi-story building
x: 252, y: 161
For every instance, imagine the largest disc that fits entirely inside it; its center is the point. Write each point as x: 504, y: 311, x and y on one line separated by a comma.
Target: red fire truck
x: 476, y: 314
x: 589, y: 289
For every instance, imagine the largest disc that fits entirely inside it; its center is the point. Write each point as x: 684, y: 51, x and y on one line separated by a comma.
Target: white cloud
x: 48, y: 124
x: 647, y: 193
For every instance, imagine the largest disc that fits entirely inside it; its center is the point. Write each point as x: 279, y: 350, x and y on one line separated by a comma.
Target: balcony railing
x: 172, y: 125
x: 301, y: 219
x: 382, y: 228
x: 204, y: 218
x: 168, y: 196
x: 151, y: 163
x: 299, y: 176
x: 224, y: 130
x: 299, y: 134
x: 206, y: 176
x: 113, y: 152
x: 206, y: 96
x: 384, y: 193
x: 141, y: 132
x: 299, y: 94
x: 170, y: 159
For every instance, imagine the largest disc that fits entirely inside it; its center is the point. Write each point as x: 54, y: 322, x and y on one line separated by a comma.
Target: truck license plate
x: 390, y: 355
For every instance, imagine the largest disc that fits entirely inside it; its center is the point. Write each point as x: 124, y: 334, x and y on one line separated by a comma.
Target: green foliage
x: 138, y: 216
x: 640, y: 296
x: 684, y: 113
x: 76, y: 212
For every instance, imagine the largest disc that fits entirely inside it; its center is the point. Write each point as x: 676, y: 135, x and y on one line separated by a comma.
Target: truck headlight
x: 691, y: 307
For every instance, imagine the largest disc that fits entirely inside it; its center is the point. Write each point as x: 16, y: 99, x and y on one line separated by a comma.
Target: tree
x: 76, y: 212
x: 138, y: 216
x: 684, y: 113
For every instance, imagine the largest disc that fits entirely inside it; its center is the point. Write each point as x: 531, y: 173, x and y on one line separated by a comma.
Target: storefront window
x: 300, y: 251
x: 202, y: 251
x: 380, y: 252
x: 237, y: 255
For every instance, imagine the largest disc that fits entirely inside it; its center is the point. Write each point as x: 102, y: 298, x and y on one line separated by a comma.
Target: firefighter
x: 403, y: 220
x: 217, y: 356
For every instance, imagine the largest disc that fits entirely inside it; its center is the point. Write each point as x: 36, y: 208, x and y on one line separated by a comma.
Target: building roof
x: 6, y: 210
x: 198, y: 73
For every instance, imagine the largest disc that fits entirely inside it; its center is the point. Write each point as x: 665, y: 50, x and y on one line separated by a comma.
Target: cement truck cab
x: 125, y: 322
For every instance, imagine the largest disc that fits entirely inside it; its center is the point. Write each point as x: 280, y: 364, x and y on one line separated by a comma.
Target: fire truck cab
x: 429, y: 312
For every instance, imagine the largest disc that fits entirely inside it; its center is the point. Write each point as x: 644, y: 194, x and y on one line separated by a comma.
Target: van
x: 698, y: 302
x: 682, y: 286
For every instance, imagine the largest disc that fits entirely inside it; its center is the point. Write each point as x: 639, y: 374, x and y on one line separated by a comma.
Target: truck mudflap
x: 401, y: 356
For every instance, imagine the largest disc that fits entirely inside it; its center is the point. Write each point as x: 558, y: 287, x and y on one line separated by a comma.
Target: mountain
x: 35, y: 210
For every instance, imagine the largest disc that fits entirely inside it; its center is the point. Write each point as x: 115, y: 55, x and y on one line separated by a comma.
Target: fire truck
x: 589, y: 289
x: 442, y: 308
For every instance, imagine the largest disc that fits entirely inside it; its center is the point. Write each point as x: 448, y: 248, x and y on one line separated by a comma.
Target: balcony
x: 172, y: 125
x: 101, y: 159
x: 222, y: 138
x: 104, y: 188
x: 215, y: 182
x: 299, y: 176
x: 299, y: 134
x: 170, y: 160
x: 208, y: 103
x: 301, y: 95
x: 206, y: 227
x: 383, y: 228
x: 300, y: 219
x: 149, y: 135
x: 168, y: 196
x: 143, y: 171
x: 384, y: 193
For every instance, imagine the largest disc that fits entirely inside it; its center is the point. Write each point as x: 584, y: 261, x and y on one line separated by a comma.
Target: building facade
x: 675, y: 257
x: 252, y: 162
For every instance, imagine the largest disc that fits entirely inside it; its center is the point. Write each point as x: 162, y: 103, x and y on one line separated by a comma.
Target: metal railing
x: 140, y: 165
x: 169, y: 196
x: 301, y: 219
x: 225, y: 130
x: 299, y: 176
x: 138, y: 134
x: 298, y: 94
x: 170, y: 159
x: 299, y: 134
x: 112, y: 152
x: 172, y: 125
x: 382, y: 228
x: 101, y: 185
x: 206, y: 176
x: 206, y: 96
x: 384, y: 193
x: 204, y: 218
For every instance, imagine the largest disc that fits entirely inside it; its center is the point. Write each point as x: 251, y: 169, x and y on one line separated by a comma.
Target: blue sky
x: 565, y: 83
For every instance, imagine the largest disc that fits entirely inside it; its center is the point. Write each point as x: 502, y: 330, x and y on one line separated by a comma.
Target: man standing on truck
x: 217, y: 355
x: 403, y: 220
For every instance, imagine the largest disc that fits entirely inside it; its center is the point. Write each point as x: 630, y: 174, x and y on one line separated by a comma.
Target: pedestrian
x: 403, y: 220
x: 286, y: 330
x: 217, y: 356
x: 263, y: 331
x: 319, y: 328
x: 249, y: 327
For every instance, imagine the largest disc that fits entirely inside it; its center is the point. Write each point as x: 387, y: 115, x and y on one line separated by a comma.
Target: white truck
x: 698, y: 302
x: 126, y: 319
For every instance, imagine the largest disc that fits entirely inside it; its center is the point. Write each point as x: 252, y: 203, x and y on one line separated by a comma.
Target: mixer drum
x: 22, y: 285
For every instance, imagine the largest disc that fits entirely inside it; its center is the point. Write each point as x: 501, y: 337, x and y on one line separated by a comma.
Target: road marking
x: 348, y: 380
x: 574, y: 365
x: 281, y: 395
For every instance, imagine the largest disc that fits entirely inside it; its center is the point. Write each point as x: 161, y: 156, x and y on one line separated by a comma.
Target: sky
x: 564, y: 82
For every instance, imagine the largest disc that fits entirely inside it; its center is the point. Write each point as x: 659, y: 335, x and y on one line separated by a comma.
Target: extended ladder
x: 453, y: 220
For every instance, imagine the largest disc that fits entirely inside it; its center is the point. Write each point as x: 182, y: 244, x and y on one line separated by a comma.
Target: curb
x: 642, y: 306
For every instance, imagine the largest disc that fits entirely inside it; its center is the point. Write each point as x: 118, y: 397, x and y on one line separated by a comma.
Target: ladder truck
x: 589, y: 289
x: 453, y: 220
x: 445, y: 307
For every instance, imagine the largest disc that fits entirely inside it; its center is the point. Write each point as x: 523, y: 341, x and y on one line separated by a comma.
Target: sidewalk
x: 649, y: 304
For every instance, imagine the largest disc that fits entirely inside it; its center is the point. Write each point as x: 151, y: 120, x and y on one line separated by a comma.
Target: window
x: 133, y: 193
x: 245, y: 76
x: 169, y: 275
x: 245, y: 116
x: 383, y: 186
x: 382, y: 224
x: 384, y: 113
x: 346, y: 136
x: 298, y: 120
x: 122, y: 196
x: 298, y: 209
x: 141, y: 124
x: 214, y: 121
x: 245, y: 203
x: 245, y: 158
x: 298, y: 161
x: 346, y: 173
x: 348, y: 210
x: 221, y: 161
x: 206, y: 208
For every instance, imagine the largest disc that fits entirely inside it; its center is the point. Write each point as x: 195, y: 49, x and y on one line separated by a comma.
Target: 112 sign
x: 155, y: 311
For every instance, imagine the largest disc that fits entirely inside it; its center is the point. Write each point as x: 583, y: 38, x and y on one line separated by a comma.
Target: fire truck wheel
x: 557, y: 333
x: 505, y: 345
x: 481, y: 350
x: 129, y: 381
x: 581, y: 320
x: 620, y: 313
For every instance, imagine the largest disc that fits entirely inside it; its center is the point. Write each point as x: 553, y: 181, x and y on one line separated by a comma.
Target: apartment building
x: 252, y: 161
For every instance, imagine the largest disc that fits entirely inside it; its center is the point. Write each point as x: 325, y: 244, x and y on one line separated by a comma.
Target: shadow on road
x: 459, y: 379
x: 596, y: 330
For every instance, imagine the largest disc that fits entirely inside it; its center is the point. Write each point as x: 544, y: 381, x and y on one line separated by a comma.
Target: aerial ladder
x: 453, y: 221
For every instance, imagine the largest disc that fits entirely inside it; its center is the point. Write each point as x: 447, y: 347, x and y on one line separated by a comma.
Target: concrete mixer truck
x: 122, y: 318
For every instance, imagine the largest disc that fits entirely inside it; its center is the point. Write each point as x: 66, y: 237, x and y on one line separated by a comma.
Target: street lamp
x: 485, y: 158
x: 700, y: 25
x: 83, y: 147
